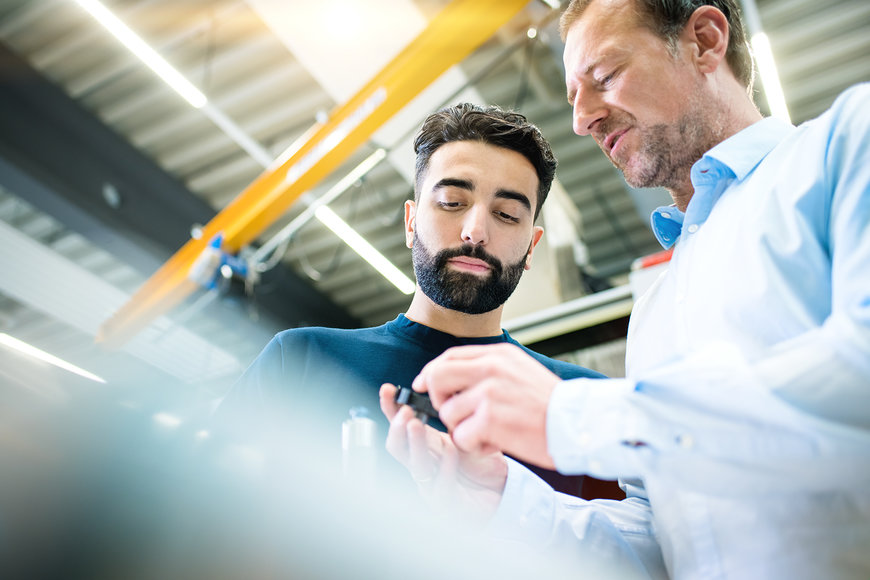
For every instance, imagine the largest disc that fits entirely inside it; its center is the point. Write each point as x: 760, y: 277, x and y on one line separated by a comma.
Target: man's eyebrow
x: 515, y: 195
x: 591, y: 65
x: 587, y: 70
x: 454, y: 182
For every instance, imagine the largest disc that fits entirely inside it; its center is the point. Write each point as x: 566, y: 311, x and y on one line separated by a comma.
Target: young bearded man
x: 482, y: 175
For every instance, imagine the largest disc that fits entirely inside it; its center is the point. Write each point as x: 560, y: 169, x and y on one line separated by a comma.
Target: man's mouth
x: 612, y: 141
x: 469, y: 264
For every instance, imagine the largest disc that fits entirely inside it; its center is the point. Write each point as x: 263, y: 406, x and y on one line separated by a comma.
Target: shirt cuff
x: 593, y: 428
x: 525, y: 513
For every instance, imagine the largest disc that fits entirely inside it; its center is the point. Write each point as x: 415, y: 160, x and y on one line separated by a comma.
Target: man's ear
x: 707, y: 32
x: 537, y: 233
x: 410, y: 217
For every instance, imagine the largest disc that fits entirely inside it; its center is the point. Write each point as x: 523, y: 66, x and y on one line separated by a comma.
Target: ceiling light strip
x: 769, y: 77
x: 766, y: 64
x: 364, y: 249
x: 39, y: 354
x: 145, y: 53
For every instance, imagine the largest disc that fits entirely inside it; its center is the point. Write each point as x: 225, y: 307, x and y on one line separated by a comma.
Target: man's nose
x: 475, y: 226
x: 589, y: 110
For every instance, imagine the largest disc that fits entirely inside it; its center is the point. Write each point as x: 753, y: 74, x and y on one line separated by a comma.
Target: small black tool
x: 419, y: 402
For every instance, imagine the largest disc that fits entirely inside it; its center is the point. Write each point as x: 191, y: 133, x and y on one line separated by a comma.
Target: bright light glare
x: 166, y: 420
x: 364, y: 249
x: 36, y: 353
x: 769, y: 77
x: 345, y: 20
x: 144, y: 52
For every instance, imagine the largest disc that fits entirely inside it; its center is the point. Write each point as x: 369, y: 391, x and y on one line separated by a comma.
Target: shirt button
x: 595, y: 465
x: 693, y: 228
x: 665, y: 215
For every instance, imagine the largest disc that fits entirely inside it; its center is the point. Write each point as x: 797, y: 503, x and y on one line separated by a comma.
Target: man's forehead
x: 470, y: 153
x: 470, y: 160
x: 613, y: 7
x: 600, y: 34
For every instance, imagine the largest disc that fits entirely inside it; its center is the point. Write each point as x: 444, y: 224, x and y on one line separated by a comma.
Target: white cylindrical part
x: 358, y: 447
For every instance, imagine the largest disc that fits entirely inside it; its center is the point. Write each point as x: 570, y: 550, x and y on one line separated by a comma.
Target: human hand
x: 492, y: 398
x: 444, y: 474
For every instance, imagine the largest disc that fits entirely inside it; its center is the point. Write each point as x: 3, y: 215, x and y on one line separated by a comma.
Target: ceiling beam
x: 66, y: 162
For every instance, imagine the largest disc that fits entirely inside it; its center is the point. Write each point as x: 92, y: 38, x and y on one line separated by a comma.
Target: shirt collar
x: 743, y: 151
x: 667, y: 222
x: 737, y: 156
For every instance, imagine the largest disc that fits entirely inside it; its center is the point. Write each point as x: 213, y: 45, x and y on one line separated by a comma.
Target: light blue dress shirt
x: 742, y: 431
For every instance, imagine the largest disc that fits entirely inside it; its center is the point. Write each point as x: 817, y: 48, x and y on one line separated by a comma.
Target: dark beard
x: 462, y: 291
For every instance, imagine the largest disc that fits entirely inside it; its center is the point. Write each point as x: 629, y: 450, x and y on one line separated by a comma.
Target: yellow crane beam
x: 461, y: 27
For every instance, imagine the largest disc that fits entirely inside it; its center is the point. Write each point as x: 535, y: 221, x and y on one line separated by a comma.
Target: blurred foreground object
x: 95, y: 486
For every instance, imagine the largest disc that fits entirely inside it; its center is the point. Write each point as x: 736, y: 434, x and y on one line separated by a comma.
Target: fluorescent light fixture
x: 144, y: 52
x: 29, y: 350
x: 366, y: 251
x: 769, y: 77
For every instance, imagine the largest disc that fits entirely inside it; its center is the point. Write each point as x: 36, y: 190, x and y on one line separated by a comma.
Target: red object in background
x: 652, y: 259
x: 582, y: 486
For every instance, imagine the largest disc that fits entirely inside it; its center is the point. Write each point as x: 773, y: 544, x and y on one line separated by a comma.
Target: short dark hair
x: 667, y: 18
x: 492, y: 125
